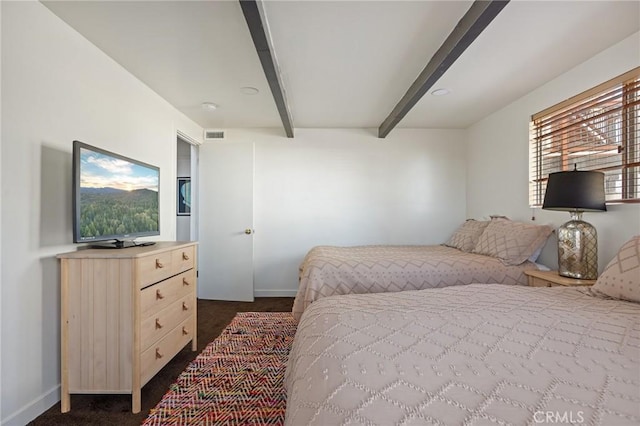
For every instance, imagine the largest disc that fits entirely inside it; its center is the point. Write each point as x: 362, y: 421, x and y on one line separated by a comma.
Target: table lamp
x: 576, y: 192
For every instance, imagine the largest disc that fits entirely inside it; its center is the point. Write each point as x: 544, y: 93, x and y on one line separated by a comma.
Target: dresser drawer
x: 183, y: 259
x: 160, y: 266
x: 157, y: 297
x: 154, y: 358
x: 156, y: 326
x: 154, y: 268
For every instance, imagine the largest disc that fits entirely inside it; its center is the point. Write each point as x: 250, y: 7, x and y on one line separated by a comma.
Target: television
x: 115, y: 198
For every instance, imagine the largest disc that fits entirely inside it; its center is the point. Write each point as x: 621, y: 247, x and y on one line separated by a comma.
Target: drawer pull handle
x: 159, y: 295
x: 158, y: 325
x: 185, y: 256
x: 185, y: 307
x: 158, y: 354
x: 159, y: 265
x: 185, y: 282
x: 185, y: 331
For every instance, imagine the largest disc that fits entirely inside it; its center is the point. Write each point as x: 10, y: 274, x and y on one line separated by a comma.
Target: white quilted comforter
x: 467, y: 355
x: 329, y: 270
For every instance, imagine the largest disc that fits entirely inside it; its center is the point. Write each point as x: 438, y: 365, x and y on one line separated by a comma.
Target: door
x: 194, y: 229
x: 184, y: 200
x: 225, y: 259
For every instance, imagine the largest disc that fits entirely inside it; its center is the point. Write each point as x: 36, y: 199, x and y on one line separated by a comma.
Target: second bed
x: 329, y: 270
x: 495, y: 251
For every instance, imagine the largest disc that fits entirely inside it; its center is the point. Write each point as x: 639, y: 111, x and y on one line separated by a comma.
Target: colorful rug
x: 237, y: 379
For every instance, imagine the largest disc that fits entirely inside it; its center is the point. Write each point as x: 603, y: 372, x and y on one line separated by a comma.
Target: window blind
x: 595, y: 130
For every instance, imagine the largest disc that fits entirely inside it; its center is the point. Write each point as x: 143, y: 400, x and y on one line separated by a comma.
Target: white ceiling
x: 345, y: 64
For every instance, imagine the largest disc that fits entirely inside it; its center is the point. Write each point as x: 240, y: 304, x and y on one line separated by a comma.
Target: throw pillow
x: 466, y: 236
x: 621, y: 278
x: 510, y: 241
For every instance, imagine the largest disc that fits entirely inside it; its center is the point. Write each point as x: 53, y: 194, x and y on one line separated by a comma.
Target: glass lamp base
x: 578, y: 249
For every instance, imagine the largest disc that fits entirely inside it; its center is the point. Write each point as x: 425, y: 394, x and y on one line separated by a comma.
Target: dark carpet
x: 213, y: 317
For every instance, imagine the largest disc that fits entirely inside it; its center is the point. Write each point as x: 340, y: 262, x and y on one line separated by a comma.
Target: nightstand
x: 552, y: 279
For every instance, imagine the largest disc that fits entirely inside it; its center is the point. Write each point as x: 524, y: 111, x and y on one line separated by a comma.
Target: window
x: 595, y: 130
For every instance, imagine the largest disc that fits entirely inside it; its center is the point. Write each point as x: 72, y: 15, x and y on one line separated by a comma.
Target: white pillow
x: 535, y: 255
x: 621, y: 278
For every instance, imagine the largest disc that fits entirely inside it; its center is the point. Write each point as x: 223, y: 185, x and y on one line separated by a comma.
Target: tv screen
x: 114, y: 197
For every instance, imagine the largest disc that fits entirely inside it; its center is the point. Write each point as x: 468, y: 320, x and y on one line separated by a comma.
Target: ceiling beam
x: 477, y: 18
x: 251, y: 11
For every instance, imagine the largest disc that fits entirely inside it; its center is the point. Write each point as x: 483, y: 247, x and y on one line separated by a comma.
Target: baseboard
x: 33, y: 409
x: 274, y: 293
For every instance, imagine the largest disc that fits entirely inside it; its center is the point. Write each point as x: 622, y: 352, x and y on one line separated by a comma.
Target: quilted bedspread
x: 466, y: 355
x: 329, y: 270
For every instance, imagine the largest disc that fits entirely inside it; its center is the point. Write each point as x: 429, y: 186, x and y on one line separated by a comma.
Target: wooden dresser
x: 124, y: 314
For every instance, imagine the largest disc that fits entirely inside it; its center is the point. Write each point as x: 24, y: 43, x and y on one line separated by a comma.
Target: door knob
x: 248, y: 231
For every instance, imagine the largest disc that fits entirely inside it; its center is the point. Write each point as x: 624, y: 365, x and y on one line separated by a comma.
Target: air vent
x: 213, y: 135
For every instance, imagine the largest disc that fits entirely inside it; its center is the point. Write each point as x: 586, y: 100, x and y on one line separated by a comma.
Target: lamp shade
x: 575, y: 190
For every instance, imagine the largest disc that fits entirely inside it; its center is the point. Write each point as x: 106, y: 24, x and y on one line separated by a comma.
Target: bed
x: 494, y: 251
x: 328, y: 270
x: 476, y: 354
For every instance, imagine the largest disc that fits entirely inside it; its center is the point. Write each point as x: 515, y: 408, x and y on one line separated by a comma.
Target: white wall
x: 498, y: 155
x: 347, y: 187
x: 57, y: 87
x: 0, y: 211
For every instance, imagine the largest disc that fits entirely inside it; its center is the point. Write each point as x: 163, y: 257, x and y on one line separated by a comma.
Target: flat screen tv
x: 115, y: 198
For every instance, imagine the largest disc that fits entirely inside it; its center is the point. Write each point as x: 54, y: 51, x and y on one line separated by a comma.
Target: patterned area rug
x: 237, y: 379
